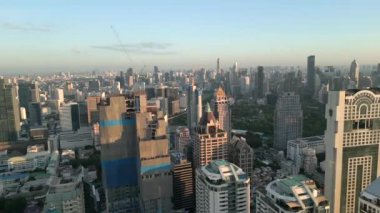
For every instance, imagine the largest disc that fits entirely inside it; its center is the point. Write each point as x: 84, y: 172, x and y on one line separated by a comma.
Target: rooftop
x: 374, y: 188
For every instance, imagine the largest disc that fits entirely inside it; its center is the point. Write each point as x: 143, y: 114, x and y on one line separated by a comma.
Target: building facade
x: 222, y: 187
x: 221, y: 108
x: 9, y: 112
x: 369, y: 200
x: 210, y: 142
x: 287, y: 120
x: 352, y: 146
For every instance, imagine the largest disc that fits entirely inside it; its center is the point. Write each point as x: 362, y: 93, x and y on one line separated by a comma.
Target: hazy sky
x: 72, y: 35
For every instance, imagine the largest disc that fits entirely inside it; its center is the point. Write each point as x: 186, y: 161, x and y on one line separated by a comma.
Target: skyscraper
x: 222, y: 187
x: 194, y: 106
x: 183, y: 191
x: 210, y: 142
x: 217, y: 66
x: 119, y: 155
x: 311, y: 73
x: 260, y: 82
x: 352, y: 146
x: 354, y: 72
x: 69, y: 117
x: 35, y: 114
x: 28, y: 92
x: 287, y: 120
x: 221, y: 108
x: 9, y: 113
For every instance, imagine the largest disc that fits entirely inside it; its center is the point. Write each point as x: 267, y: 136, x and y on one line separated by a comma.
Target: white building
x: 369, y: 200
x: 294, y: 194
x: 34, y: 159
x: 222, y: 187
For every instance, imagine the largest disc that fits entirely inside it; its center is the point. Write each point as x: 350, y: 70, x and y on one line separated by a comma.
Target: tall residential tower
x: 352, y: 146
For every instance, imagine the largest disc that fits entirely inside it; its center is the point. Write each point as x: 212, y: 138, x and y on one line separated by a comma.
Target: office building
x: 35, y: 114
x: 210, y: 142
x: 119, y: 155
x: 28, y: 92
x: 310, y: 161
x: 221, y: 108
x: 293, y: 194
x: 311, y: 74
x: 352, y: 146
x: 183, y: 182
x: 92, y: 109
x: 354, y: 73
x: 69, y: 117
x: 9, y: 113
x: 222, y: 187
x: 287, y: 120
x: 182, y: 139
x: 260, y: 93
x: 369, y: 200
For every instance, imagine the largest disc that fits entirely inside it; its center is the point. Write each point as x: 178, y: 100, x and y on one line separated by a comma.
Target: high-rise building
x: 35, y: 114
x: 222, y: 187
x: 354, y: 72
x: 183, y: 182
x: 155, y: 180
x: 119, y: 156
x: 241, y: 154
x: 352, y: 146
x: 217, y: 66
x: 369, y: 200
x: 287, y: 120
x: 311, y: 74
x: 210, y: 142
x: 294, y: 194
x: 221, y: 108
x: 194, y: 106
x: 9, y: 113
x: 28, y: 92
x: 260, y: 82
x: 69, y: 117
x: 92, y: 109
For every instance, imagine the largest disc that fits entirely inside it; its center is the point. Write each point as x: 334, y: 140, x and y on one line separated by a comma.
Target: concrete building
x: 210, y: 142
x: 310, y: 161
x: 311, y: 74
x: 369, y: 200
x: 352, y: 146
x: 182, y: 139
x: 155, y: 179
x: 222, y: 187
x: 66, y: 192
x: 119, y: 151
x: 69, y: 117
x: 287, y: 120
x: 78, y: 139
x: 221, y: 108
x: 293, y: 194
x: 354, y: 73
x: 31, y: 161
x: 35, y: 114
x: 28, y: 92
x: 241, y: 154
x: 9, y: 113
x: 315, y: 142
x: 183, y: 186
x: 260, y: 93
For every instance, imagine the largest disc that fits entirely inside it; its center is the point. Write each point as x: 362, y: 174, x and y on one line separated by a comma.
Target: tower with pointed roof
x: 210, y: 142
x: 221, y: 108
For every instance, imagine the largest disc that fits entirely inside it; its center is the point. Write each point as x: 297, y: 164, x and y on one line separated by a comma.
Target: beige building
x: 352, y: 146
x: 211, y: 143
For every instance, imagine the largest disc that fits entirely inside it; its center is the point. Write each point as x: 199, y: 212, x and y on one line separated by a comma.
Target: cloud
x: 27, y: 27
x: 149, y: 48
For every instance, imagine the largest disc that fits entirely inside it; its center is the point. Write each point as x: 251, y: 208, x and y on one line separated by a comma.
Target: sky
x: 85, y: 35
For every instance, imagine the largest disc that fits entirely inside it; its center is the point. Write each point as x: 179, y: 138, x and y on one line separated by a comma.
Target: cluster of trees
x: 15, y: 205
